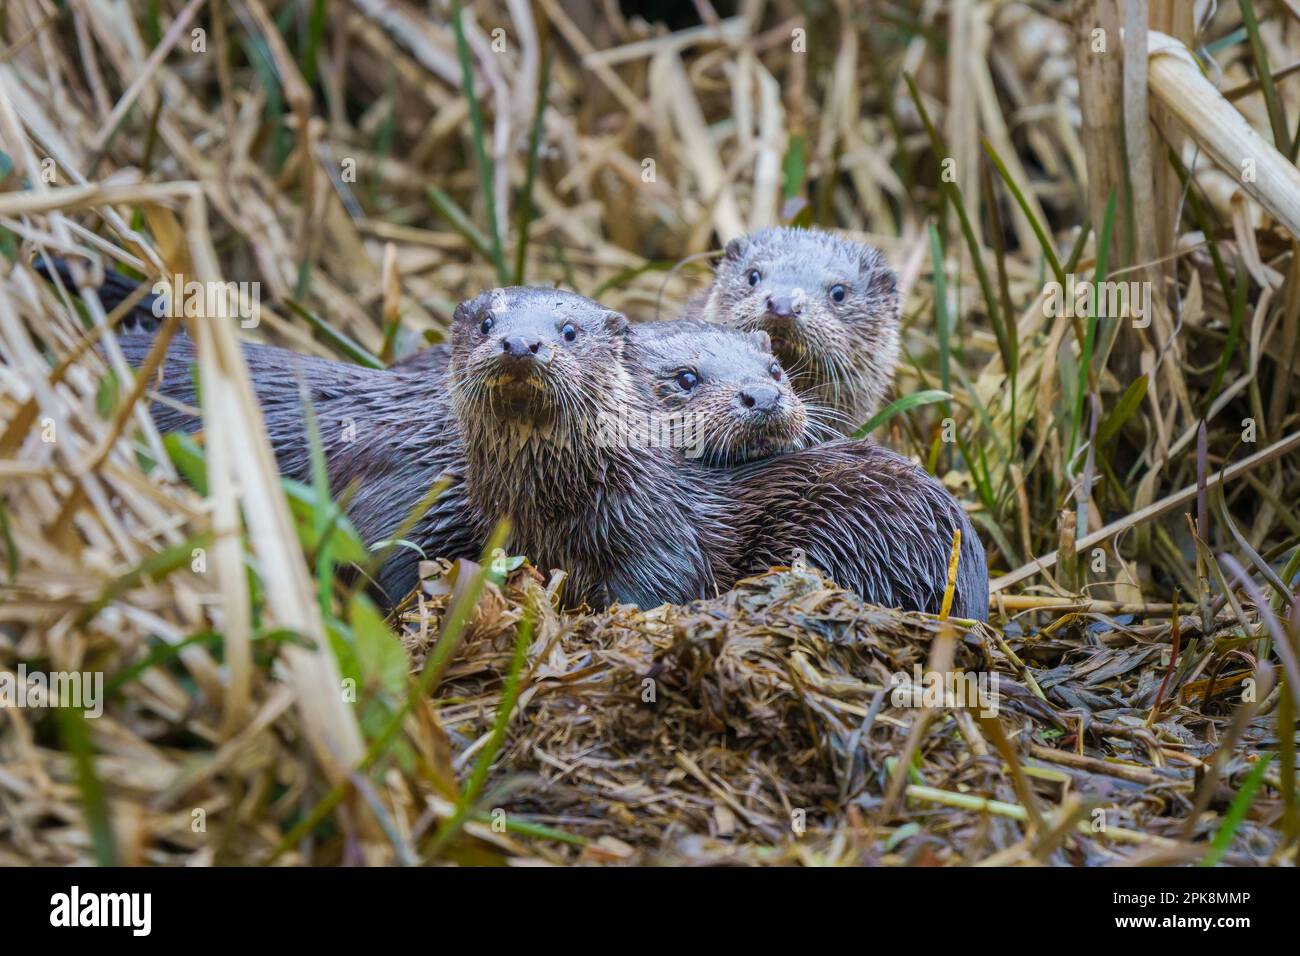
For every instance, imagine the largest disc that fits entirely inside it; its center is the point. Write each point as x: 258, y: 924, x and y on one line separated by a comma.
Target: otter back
x: 389, y: 435
x: 869, y: 518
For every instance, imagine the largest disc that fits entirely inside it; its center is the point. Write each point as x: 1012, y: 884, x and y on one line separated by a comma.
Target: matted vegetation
x: 370, y: 164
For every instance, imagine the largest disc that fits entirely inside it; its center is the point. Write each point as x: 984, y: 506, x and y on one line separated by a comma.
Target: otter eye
x: 486, y: 327
x: 837, y: 293
x: 754, y: 276
x: 569, y: 332
x: 775, y: 369
x: 687, y: 380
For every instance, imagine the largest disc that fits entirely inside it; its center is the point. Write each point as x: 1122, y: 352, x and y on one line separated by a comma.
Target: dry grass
x: 772, y: 736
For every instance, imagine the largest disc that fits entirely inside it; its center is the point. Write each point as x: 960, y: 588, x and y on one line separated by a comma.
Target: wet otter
x: 872, y: 520
x: 830, y: 304
x: 869, y: 518
x: 742, y: 404
x: 393, y: 431
x: 540, y: 380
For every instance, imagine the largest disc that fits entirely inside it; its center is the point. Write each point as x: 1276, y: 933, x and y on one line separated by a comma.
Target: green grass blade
x: 631, y: 272
x: 1236, y: 812
x: 942, y: 320
x: 11, y: 547
x: 1044, y: 242
x: 453, y: 627
x: 1238, y: 313
x: 398, y: 536
x: 1085, y: 361
x: 321, y: 518
x: 486, y: 179
x: 525, y: 211
x: 794, y: 167
x: 153, y: 22
x: 447, y: 208
x: 900, y: 405
x: 154, y: 568
x: 315, y: 32
x: 1006, y: 344
x: 343, y: 344
x: 1128, y: 403
x: 487, y: 756
x: 1272, y: 103
x: 76, y: 741
x: 164, y: 653
x: 539, y: 831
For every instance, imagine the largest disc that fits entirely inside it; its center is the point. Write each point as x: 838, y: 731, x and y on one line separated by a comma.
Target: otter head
x: 830, y: 305
x: 728, y: 396
x: 535, y: 361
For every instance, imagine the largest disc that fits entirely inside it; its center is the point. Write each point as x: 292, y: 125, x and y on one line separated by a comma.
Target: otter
x: 541, y: 381
x: 393, y: 433
x: 869, y: 518
x: 875, y: 522
x: 831, y: 306
x: 115, y: 289
x: 716, y: 370
x: 637, y: 522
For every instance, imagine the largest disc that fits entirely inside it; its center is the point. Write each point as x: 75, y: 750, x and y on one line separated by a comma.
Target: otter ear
x: 735, y: 248
x: 762, y: 340
x: 616, y: 323
x: 461, y: 314
x: 884, y: 282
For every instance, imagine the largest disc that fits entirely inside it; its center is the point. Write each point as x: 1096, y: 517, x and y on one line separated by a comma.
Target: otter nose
x: 783, y: 306
x: 520, y: 346
x: 760, y: 398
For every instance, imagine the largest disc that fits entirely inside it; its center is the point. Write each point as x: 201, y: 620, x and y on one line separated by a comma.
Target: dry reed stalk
x: 1225, y: 135
x: 697, y: 151
x: 968, y: 38
x: 1096, y: 43
x: 1137, y: 132
x: 1174, y: 19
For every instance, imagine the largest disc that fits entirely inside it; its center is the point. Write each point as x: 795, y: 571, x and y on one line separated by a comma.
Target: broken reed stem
x: 1029, y: 602
x: 1067, y: 522
x: 950, y: 588
x: 1222, y: 132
